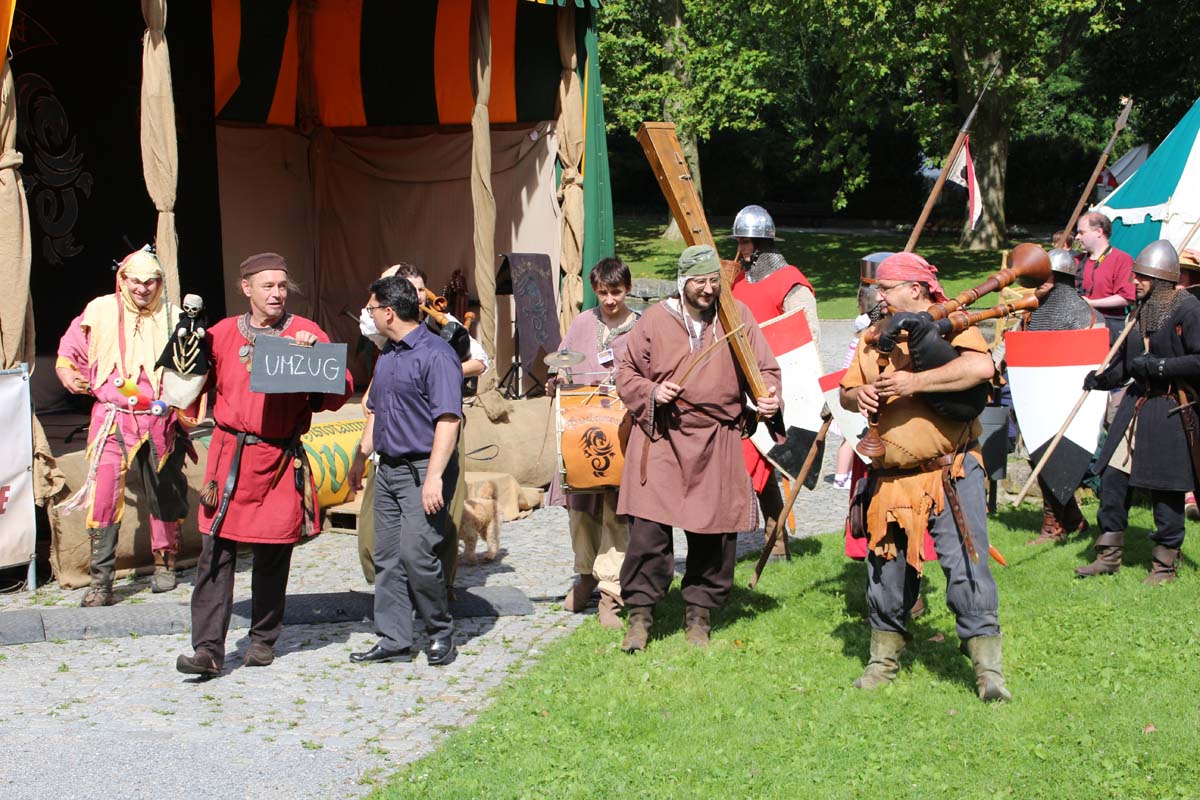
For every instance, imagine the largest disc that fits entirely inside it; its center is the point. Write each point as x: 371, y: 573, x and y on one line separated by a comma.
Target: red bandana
x: 911, y: 267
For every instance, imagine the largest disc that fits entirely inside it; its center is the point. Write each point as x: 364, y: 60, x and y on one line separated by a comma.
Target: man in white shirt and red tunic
x: 684, y: 466
x: 769, y: 286
x: 258, y: 489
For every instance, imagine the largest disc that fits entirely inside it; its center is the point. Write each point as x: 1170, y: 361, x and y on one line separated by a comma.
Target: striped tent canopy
x: 383, y: 62
x: 1162, y: 199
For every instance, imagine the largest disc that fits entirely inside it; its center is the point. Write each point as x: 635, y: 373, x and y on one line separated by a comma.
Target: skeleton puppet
x: 185, y: 360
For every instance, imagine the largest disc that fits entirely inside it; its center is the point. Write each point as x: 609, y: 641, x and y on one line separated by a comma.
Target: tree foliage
x: 813, y: 79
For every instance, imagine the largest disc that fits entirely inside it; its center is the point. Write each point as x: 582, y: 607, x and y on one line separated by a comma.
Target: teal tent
x: 1162, y: 199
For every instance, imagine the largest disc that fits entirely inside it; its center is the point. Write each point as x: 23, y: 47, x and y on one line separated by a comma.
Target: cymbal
x: 563, y: 358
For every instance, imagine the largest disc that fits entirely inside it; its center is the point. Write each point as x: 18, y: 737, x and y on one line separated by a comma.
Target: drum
x: 592, y: 428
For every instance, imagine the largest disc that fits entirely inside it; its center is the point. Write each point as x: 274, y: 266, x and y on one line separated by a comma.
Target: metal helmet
x: 1063, y: 261
x: 1158, y: 260
x: 868, y: 266
x: 753, y: 222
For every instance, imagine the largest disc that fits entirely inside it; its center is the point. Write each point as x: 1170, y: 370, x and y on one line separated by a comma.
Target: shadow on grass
x: 668, y: 614
x: 941, y: 658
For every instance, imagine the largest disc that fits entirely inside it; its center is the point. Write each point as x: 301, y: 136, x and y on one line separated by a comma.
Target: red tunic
x: 259, y: 512
x: 765, y: 298
x: 765, y: 301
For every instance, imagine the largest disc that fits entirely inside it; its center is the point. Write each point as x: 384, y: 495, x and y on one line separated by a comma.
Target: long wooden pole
x: 945, y: 173
x: 1112, y: 352
x: 1122, y: 118
x: 779, y: 527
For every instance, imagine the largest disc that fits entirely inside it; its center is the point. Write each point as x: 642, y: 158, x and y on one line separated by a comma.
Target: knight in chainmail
x: 1061, y: 310
x: 769, y: 286
x: 1152, y: 443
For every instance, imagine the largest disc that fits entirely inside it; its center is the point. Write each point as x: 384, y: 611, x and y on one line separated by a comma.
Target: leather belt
x: 945, y: 464
x: 231, y: 480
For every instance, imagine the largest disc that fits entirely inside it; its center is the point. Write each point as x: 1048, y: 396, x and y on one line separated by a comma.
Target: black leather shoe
x: 442, y: 651
x: 379, y: 653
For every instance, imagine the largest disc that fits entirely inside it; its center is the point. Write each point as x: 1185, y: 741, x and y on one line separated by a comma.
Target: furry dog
x: 480, y: 519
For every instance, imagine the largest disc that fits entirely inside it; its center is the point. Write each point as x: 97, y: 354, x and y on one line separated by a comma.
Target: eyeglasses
x: 369, y: 309
x: 714, y: 281
x: 883, y: 290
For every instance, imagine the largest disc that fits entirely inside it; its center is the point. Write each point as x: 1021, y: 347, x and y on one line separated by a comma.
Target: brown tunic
x: 694, y: 476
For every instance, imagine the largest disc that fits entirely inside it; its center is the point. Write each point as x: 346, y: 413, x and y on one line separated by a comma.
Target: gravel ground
x: 113, y: 717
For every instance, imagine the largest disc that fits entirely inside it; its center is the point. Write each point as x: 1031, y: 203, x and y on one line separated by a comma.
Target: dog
x: 480, y: 519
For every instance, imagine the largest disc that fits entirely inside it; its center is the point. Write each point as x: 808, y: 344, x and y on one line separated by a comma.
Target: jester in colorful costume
x: 109, y: 351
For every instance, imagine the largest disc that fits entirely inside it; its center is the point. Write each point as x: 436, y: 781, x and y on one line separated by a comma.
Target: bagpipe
x: 927, y: 332
x: 450, y: 330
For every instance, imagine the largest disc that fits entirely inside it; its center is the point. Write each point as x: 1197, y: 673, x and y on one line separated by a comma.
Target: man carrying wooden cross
x: 684, y: 465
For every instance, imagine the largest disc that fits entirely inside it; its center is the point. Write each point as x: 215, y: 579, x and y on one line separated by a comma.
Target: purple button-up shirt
x: 417, y: 380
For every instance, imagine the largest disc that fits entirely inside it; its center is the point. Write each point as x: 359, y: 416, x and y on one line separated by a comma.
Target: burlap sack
x: 523, y: 446
x: 70, y: 552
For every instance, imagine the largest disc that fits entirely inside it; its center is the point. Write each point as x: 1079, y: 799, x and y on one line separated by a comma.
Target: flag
x: 1045, y: 372
x: 800, y: 366
x: 851, y: 424
x: 962, y: 172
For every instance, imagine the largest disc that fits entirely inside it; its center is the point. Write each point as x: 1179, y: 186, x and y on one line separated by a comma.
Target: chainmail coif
x: 1159, y: 305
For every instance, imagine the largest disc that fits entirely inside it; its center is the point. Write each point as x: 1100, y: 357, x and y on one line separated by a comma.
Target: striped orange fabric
x: 227, y: 40
x: 452, y: 62
x: 502, y: 107
x: 283, y: 106
x: 337, y: 27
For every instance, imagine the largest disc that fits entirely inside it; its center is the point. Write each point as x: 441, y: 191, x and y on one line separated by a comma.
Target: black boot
x: 103, y: 566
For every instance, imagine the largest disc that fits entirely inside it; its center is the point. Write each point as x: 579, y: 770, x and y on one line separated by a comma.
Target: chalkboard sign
x: 281, y: 366
x: 527, y: 277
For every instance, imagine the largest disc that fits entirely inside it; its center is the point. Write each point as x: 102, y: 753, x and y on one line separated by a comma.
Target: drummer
x: 598, y: 537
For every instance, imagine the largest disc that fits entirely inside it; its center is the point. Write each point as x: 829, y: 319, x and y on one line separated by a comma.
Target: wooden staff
x: 778, y: 528
x: 941, y: 179
x: 1122, y: 118
x: 1112, y: 352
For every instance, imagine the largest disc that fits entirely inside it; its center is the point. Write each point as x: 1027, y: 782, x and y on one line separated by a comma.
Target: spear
x: 1122, y: 118
x: 941, y: 179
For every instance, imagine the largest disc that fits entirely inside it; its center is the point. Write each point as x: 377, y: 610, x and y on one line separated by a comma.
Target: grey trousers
x: 407, y: 543
x: 892, y: 585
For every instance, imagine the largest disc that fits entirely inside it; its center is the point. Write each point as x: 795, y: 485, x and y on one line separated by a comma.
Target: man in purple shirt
x: 1106, y: 274
x: 416, y: 400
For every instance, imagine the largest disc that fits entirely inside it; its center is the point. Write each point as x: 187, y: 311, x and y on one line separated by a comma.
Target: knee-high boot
x: 103, y: 566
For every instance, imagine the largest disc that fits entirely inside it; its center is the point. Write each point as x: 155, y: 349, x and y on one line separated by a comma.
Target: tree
x: 684, y: 63
x: 926, y: 60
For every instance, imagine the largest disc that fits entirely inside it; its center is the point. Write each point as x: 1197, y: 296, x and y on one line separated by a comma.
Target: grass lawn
x: 830, y: 261
x: 1103, y: 674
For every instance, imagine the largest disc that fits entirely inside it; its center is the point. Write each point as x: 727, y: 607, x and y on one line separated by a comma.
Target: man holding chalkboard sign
x: 416, y: 398
x: 258, y: 487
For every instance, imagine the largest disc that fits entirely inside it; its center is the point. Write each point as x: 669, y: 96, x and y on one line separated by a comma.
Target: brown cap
x: 263, y: 262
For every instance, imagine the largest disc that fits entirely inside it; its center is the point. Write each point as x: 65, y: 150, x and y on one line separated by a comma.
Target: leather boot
x: 886, y: 648
x: 641, y: 618
x: 164, y: 579
x: 581, y: 593
x: 1162, y: 570
x: 610, y: 607
x: 918, y: 608
x: 697, y: 623
x: 984, y: 652
x: 1051, y: 530
x: 103, y: 566
x: 1110, y: 547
